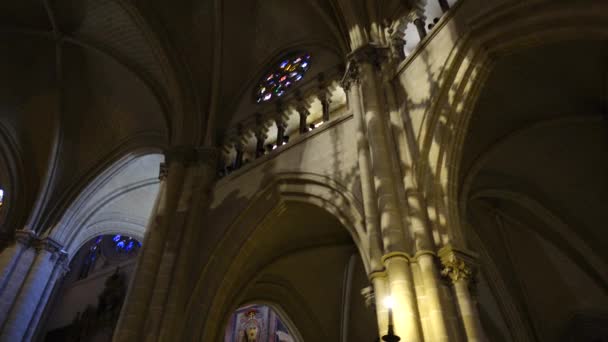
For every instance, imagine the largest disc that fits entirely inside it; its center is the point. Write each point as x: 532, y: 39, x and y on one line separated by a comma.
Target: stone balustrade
x: 295, y: 115
x: 407, y: 33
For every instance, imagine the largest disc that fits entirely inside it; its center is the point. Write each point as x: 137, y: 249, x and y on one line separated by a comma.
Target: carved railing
x: 297, y: 114
x: 407, y: 33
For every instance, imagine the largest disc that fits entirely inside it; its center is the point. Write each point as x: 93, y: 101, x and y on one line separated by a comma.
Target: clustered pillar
x: 161, y: 266
x: 30, y: 266
x: 405, y: 260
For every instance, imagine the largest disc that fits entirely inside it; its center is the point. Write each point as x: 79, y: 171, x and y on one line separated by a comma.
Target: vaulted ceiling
x: 535, y: 182
x: 84, y: 82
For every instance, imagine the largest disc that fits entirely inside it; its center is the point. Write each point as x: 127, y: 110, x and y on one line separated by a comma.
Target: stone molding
x: 391, y: 255
x: 25, y: 237
x: 372, y: 53
x: 352, y: 75
x: 369, y: 296
x: 29, y: 239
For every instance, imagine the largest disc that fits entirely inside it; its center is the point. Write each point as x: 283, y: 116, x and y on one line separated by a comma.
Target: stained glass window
x: 290, y: 71
x: 125, y: 244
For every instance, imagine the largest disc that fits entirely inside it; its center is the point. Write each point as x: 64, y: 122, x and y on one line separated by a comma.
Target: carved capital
x: 397, y: 43
x: 49, y: 245
x: 369, y: 296
x: 370, y: 53
x: 302, y: 109
x: 352, y: 75
x: 456, y: 264
x: 25, y: 237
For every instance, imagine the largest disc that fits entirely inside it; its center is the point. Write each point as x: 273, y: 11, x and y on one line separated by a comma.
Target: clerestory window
x: 285, y: 75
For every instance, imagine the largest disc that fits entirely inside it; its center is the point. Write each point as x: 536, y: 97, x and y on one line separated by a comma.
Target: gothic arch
x: 557, y: 231
x: 500, y: 31
x: 86, y: 217
x: 15, y: 183
x: 283, y: 292
x: 312, y: 189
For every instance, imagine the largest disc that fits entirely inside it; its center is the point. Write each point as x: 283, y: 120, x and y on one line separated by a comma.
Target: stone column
x: 379, y: 283
x: 23, y: 317
x: 260, y: 136
x: 430, y: 280
x: 281, y: 127
x: 59, y: 271
x: 370, y: 201
x: 15, y: 262
x: 325, y: 100
x: 369, y: 58
x: 401, y: 285
x: 169, y: 293
x: 133, y: 315
x: 367, y: 63
x: 303, y: 112
x: 419, y: 23
x: 459, y: 267
x: 238, y: 160
x: 239, y: 146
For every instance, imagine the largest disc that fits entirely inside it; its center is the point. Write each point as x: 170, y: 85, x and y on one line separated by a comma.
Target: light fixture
x: 389, y: 302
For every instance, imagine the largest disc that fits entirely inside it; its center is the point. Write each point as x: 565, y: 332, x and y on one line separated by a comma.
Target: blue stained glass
x: 286, y: 74
x: 125, y: 244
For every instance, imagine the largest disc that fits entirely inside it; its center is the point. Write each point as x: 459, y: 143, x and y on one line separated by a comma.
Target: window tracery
x: 107, y: 250
x: 125, y: 244
x: 285, y: 75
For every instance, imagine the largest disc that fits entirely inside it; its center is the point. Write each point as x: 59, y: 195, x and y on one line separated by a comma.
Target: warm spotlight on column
x: 389, y: 302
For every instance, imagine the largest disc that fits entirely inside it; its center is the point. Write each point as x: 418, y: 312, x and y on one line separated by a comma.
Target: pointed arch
x: 500, y: 30
x: 214, y: 289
